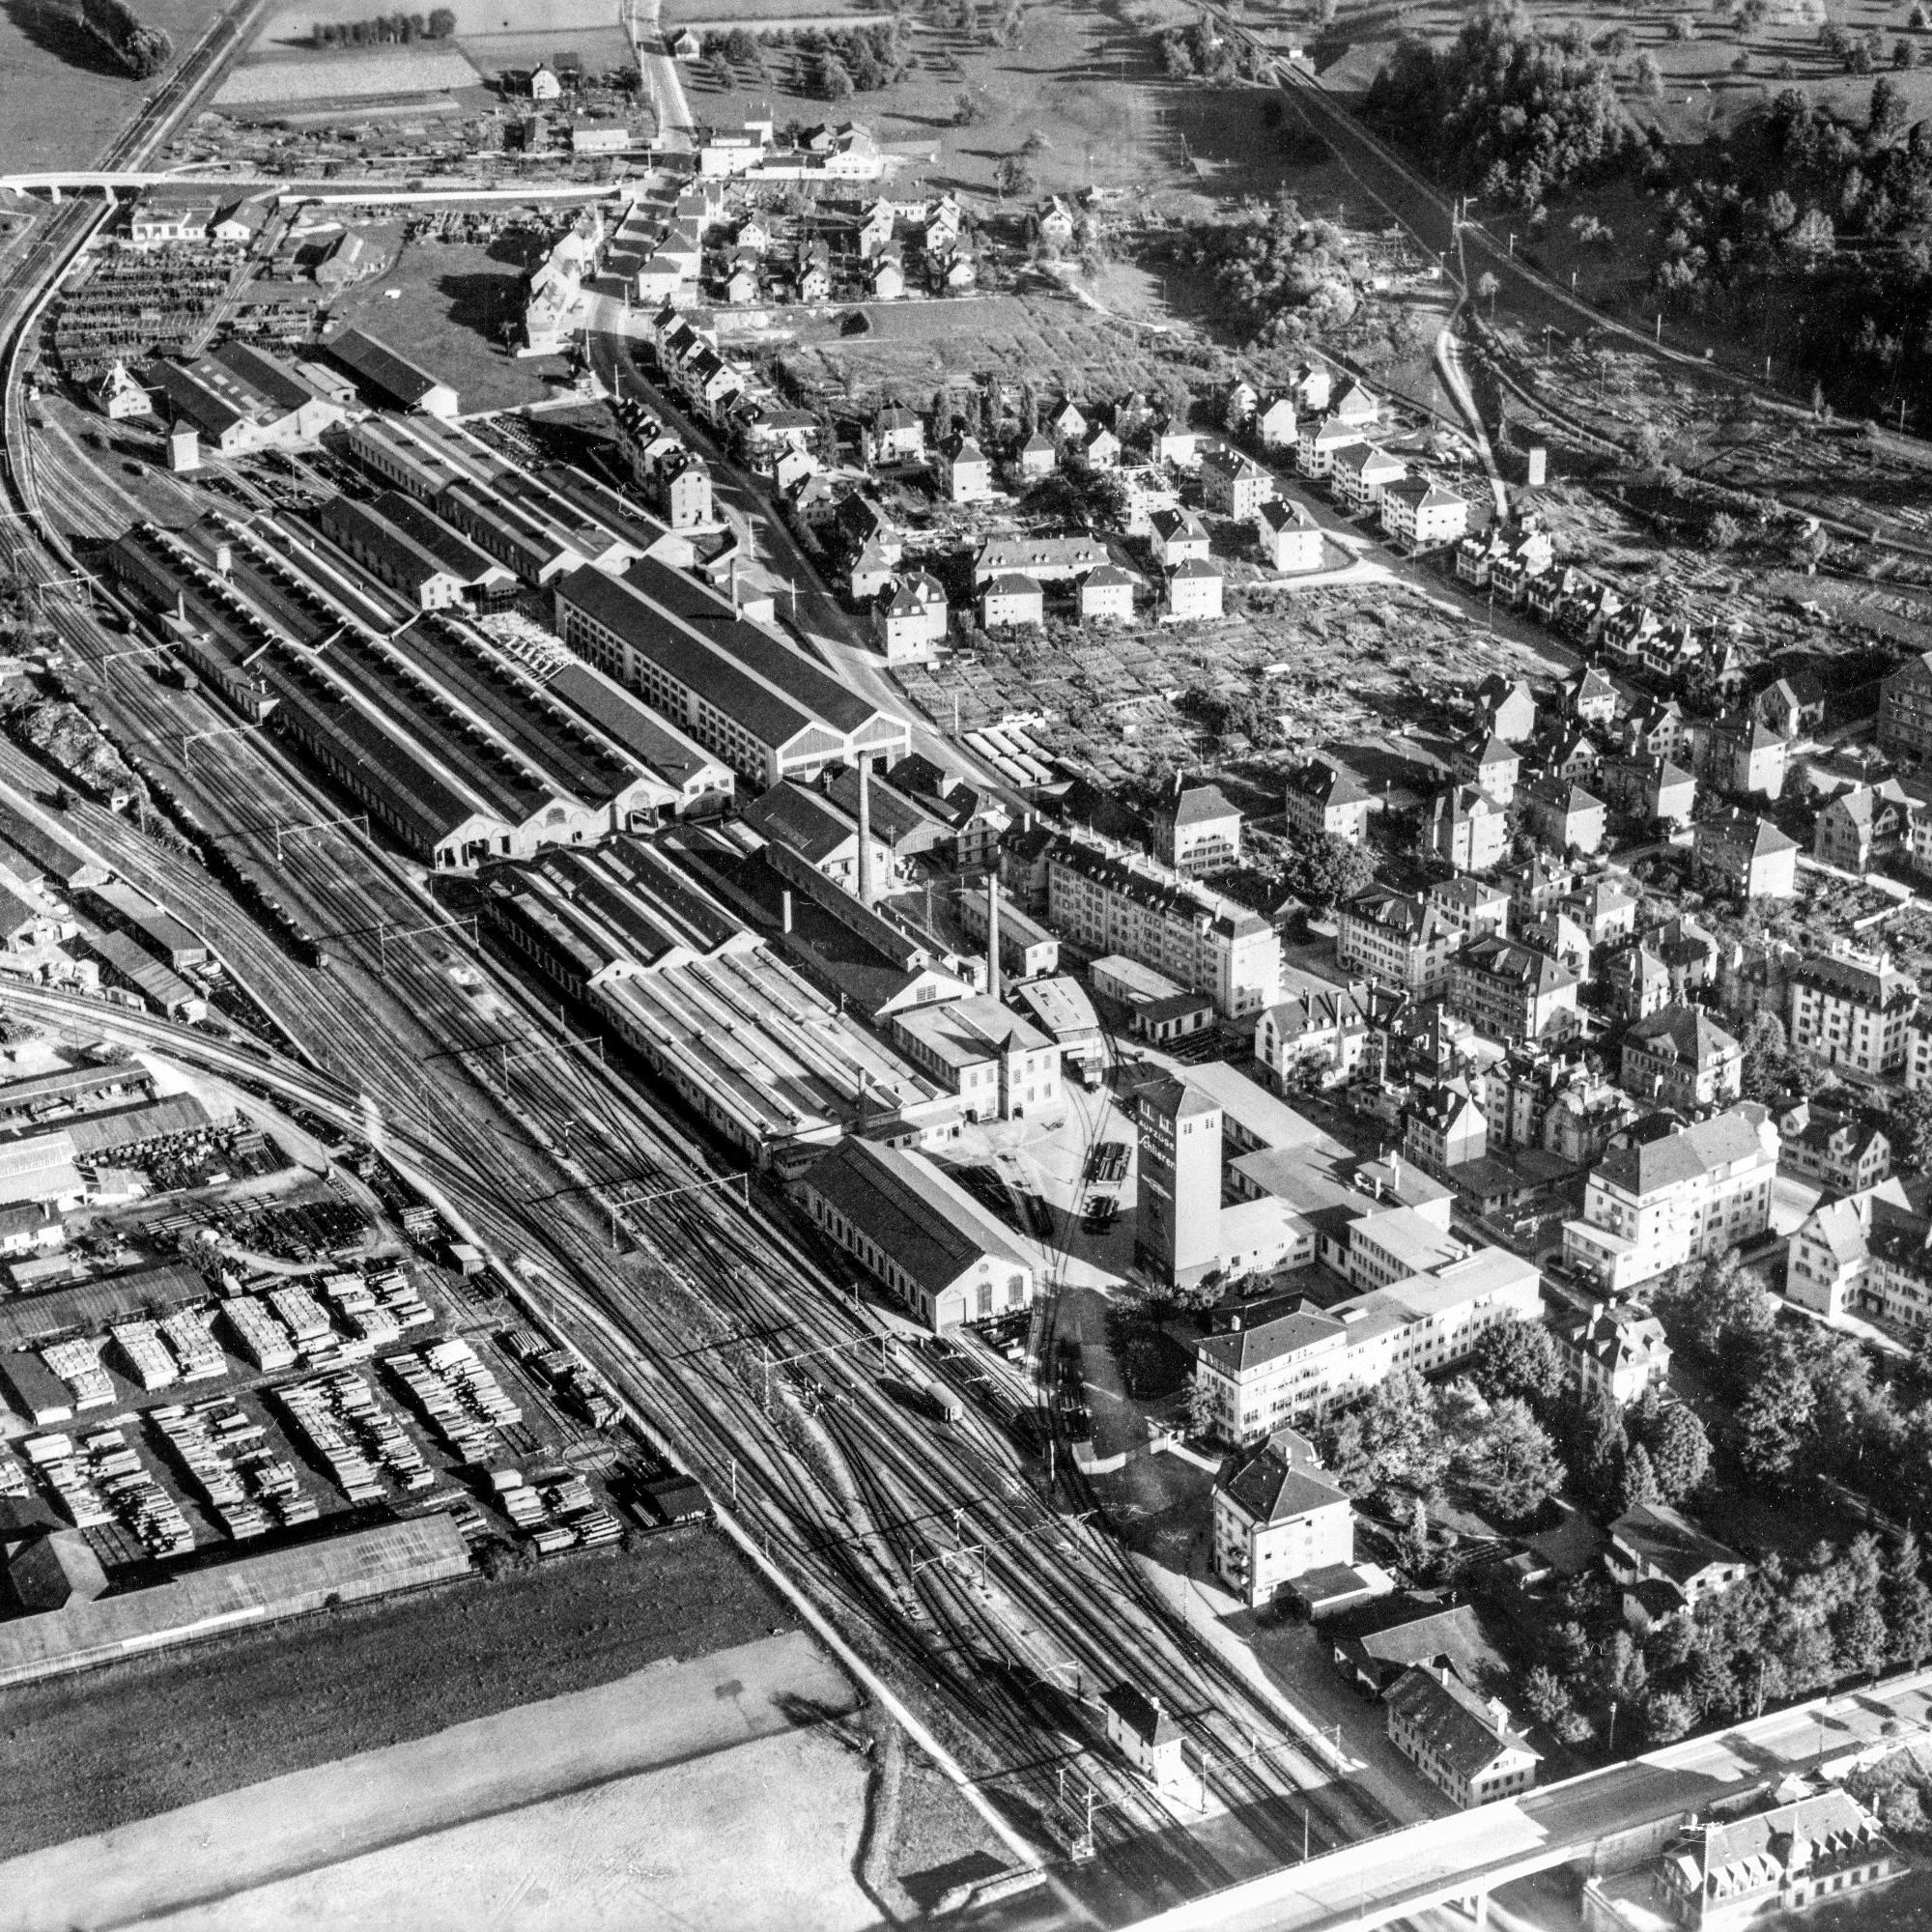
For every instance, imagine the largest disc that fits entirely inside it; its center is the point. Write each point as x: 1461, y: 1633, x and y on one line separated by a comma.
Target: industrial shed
x: 252, y: 1590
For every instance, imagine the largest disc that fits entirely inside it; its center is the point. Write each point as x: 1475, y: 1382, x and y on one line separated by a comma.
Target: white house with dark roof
x: 1612, y: 1349
x: 1680, y: 1057
x: 1234, y: 484
x: 1011, y: 599
x: 1174, y: 536
x: 1290, y: 537
x: 919, y: 1231
x: 1193, y: 592
x: 1143, y: 1734
x: 1107, y: 592
x: 1276, y: 1517
x: 1665, y: 1564
x: 1197, y: 830
x: 911, y: 613
x: 1423, y: 513
x: 1461, y: 1742
x: 1324, y: 800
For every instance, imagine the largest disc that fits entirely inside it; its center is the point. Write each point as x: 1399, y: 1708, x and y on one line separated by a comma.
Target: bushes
x: 1277, y: 273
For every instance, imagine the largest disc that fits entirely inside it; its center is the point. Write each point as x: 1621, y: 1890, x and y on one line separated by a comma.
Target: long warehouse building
x: 762, y: 707
x: 752, y: 1047
x: 457, y: 748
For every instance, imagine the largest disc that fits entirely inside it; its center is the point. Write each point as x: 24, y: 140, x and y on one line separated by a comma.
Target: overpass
x: 1607, y: 1820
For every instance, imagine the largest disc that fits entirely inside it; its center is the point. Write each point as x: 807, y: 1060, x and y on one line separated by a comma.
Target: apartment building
x: 1905, y: 710
x: 1868, y: 1253
x: 1852, y: 1010
x: 1467, y: 827
x: 1327, y: 801
x: 1677, y: 1196
x: 1197, y: 831
x: 1276, y: 1517
x: 1510, y: 992
x: 1385, y: 936
x: 1288, y: 1372
x: 1746, y: 853
x: 1333, y: 1033
x: 1458, y: 1739
x: 1183, y: 929
x: 1612, y: 1349
x: 1680, y: 1057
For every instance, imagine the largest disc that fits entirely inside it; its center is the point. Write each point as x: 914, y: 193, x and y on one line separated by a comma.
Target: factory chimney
x: 865, y: 834
x: 993, y: 934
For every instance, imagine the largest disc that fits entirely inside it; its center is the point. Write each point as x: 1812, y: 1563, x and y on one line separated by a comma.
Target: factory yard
x: 645, y: 1799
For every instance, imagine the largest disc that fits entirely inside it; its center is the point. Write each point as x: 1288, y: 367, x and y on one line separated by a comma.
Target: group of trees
x: 141, y: 49
x: 386, y: 29
x: 1201, y: 48
x: 1786, y: 1630
x: 1277, y: 274
x: 1504, y: 110
x: 858, y: 60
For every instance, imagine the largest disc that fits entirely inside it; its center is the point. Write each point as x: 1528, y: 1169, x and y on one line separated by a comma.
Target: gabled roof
x: 1670, y: 1543
x: 1273, y: 1486
x: 1687, y: 1034
x: 1200, y: 805
x: 1685, y: 1153
x: 1142, y: 1715
x: 1462, y: 1730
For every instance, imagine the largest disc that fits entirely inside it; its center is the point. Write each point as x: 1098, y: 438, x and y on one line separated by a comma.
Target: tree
x: 1413, y: 1545
x: 1547, y: 1699
x: 1723, y: 532
x: 442, y: 23
x: 1518, y: 1358
x: 1886, y: 115
x: 1203, y: 1414
x: 146, y: 51
x: 1014, y: 177
x: 1667, y: 1716
x: 1637, y: 1485
x: 1649, y: 76
x: 1487, y: 291
x: 1772, y: 1420
x: 1388, y: 1436
x: 1908, y: 1606
x: 834, y: 79
x: 1596, y: 1450
x: 969, y: 109
x: 1517, y: 1459
x: 1331, y: 871
x: 1767, y: 1057
x: 1679, y: 1451
x: 1623, y: 1676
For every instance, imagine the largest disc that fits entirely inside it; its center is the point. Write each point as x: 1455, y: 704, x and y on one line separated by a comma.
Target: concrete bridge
x: 1604, y: 1821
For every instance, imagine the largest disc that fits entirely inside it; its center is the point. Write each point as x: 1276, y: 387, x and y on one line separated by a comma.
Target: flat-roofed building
x: 919, y: 1231
x: 1289, y: 1372
x: 763, y: 707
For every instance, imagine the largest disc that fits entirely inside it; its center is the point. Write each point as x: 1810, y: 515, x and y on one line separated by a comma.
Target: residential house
x: 1509, y: 992
x: 1648, y: 788
x: 1107, y: 592
x: 1424, y: 514
x: 1360, y: 474
x: 1235, y: 485
x: 1197, y: 831
x: 1741, y: 754
x: 1376, y: 1647
x: 1055, y: 222
x: 1673, y: 1193
x: 911, y: 613
x: 1506, y: 709
x: 1467, y: 827
x: 1036, y: 457
x: 1563, y: 816
x: 1793, y: 706
x: 1318, y: 442
x: 1905, y: 711
x: 1067, y: 423
x: 1868, y: 1253
x: 1176, y: 536
x: 1012, y: 600
x: 1472, y: 907
x: 118, y: 396
x: 1590, y: 697
x: 1444, y: 1129
x: 1355, y: 404
x: 1274, y: 423
x: 1328, y: 1033
x: 1291, y: 539
x: 1747, y: 854
x: 1483, y: 759
x: 1665, y: 1564
x: 1193, y: 592
x: 1276, y: 1517
x: 1385, y: 936
x: 897, y: 434
x: 1100, y: 448
x: 1615, y: 1349
x: 965, y: 473
x: 1852, y: 1010
x: 1309, y: 386
x: 1574, y: 756
x: 1462, y: 1743
x: 1328, y: 801
x: 1678, y: 1057
x: 1847, y: 1152
x: 1869, y: 822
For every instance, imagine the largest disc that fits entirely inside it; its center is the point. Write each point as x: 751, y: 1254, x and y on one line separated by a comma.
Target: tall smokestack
x: 785, y: 898
x: 993, y: 934
x: 865, y: 834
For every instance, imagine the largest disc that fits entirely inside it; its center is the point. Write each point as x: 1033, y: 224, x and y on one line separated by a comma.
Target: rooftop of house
x: 1462, y: 1730
x: 1669, y: 1543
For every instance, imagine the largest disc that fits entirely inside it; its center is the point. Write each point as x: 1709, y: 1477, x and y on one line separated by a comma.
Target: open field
x: 634, y: 1803
x: 97, y: 1751
x: 373, y: 72
x: 602, y: 49
x: 61, y: 99
x: 455, y: 300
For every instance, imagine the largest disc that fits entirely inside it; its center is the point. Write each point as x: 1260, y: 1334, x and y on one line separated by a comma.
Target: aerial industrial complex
x: 1152, y: 1078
